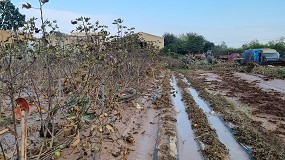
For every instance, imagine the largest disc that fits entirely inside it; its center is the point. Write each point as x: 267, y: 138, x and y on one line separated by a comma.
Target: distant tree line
x: 186, y: 43
x: 278, y: 45
x: 194, y: 43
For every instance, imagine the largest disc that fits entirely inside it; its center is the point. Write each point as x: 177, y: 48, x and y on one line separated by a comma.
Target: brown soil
x: 250, y: 129
x: 126, y: 131
x: 140, y: 128
x: 266, y: 106
x: 166, y: 143
x: 213, y: 149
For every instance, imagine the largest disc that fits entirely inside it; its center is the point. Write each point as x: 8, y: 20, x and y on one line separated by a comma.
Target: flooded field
x: 173, y: 118
x: 187, y: 145
x: 226, y: 136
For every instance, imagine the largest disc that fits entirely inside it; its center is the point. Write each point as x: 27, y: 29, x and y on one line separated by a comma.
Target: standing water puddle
x: 237, y: 152
x: 187, y: 146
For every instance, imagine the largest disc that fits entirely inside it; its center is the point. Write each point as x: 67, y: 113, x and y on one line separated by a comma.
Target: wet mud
x: 236, y: 151
x: 227, y: 95
x: 166, y: 147
x: 211, y: 146
x: 187, y: 145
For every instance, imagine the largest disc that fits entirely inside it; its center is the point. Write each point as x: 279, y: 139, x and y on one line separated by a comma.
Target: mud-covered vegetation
x: 247, y: 131
x: 166, y: 141
x: 70, y: 87
x: 212, y: 147
x: 100, y: 95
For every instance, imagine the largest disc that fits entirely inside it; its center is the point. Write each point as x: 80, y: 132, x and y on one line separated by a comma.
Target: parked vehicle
x: 282, y: 58
x: 235, y: 57
x: 263, y: 56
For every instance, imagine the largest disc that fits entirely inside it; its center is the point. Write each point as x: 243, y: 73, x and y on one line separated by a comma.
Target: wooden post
x: 23, y: 135
x: 59, y: 88
x: 103, y: 94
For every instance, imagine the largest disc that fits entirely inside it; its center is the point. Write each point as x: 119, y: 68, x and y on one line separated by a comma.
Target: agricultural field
x: 129, y: 105
x: 96, y: 96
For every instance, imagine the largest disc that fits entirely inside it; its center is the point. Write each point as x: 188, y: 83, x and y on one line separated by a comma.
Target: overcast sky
x: 233, y: 21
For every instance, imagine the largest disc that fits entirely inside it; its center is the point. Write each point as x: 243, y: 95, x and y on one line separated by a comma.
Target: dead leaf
x: 4, y: 131
x: 76, y: 141
x: 97, y: 149
x: 138, y: 106
x: 110, y: 128
x: 94, y: 126
x: 7, y: 156
x: 43, y: 111
x: 38, y: 109
x: 116, y: 154
x: 67, y: 131
x: 130, y: 139
x: 100, y: 129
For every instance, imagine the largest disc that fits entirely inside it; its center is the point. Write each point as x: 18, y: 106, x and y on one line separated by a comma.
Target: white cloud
x: 64, y: 18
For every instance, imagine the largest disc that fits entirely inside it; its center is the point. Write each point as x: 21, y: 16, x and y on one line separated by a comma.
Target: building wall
x: 74, y: 37
x: 149, y: 38
x: 8, y: 37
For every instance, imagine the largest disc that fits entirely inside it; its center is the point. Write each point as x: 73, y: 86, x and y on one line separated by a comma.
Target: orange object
x: 22, y: 104
x: 18, y: 112
x: 22, y: 111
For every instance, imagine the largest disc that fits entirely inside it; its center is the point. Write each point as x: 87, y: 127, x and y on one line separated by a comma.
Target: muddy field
x: 265, y: 104
x: 197, y: 114
x: 253, y: 107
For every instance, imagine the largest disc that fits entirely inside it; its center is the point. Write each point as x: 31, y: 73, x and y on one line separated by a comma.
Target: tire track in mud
x: 225, y: 133
x: 187, y: 145
x: 165, y: 147
x: 211, y: 146
x: 147, y: 119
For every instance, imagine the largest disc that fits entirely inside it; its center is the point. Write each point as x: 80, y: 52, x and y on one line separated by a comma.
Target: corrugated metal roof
x: 268, y: 50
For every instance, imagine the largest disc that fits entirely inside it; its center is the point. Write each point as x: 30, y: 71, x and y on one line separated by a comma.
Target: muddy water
x: 146, y: 142
x: 237, y: 152
x: 275, y: 84
x: 187, y: 146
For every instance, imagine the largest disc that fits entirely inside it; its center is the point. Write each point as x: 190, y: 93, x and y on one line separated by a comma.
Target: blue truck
x: 263, y: 56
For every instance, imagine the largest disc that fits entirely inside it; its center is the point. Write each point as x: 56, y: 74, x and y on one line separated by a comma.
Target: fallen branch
x: 4, y: 131
x: 2, y: 151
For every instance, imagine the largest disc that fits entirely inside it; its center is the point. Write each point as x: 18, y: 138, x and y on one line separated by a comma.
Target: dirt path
x: 224, y: 132
x: 145, y: 136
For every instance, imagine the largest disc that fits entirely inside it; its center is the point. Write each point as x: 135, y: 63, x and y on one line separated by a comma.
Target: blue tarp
x: 257, y: 56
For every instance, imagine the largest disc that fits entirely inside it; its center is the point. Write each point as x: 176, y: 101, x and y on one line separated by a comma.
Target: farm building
x: 9, y: 37
x: 155, y: 40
